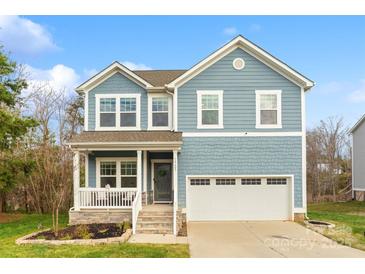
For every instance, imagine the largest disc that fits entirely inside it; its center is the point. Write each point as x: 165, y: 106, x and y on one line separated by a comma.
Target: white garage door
x: 214, y: 199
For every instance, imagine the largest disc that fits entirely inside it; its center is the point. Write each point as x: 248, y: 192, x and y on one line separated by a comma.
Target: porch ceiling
x: 126, y: 139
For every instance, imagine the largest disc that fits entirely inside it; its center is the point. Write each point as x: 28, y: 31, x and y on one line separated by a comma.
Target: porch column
x: 174, y: 181
x: 76, y: 178
x: 145, y: 175
x: 139, y: 173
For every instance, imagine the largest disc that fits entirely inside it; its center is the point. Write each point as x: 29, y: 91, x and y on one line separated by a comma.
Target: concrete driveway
x: 266, y: 239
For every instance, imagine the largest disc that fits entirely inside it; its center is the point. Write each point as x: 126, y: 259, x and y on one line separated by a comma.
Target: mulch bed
x: 87, y: 231
x: 183, y: 232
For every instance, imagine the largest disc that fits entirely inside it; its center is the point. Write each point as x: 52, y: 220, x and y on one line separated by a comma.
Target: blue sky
x: 66, y: 50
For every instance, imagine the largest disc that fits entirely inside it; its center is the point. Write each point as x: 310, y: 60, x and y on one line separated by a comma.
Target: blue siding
x: 239, y: 107
x: 240, y: 156
x: 92, y: 161
x: 117, y: 84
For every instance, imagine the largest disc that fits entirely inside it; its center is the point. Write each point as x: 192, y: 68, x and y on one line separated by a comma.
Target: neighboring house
x: 358, y: 159
x: 223, y: 140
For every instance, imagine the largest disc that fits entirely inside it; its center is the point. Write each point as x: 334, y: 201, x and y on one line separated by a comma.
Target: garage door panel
x: 238, y: 202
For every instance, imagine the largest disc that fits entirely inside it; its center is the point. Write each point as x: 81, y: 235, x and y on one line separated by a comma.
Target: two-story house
x: 223, y: 140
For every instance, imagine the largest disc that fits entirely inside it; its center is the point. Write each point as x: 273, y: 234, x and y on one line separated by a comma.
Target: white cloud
x: 59, y: 77
x: 21, y: 35
x: 230, y: 31
x: 255, y: 28
x: 134, y: 66
x: 358, y: 95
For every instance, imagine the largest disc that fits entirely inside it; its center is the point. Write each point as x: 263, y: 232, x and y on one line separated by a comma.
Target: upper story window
x: 159, y: 116
x: 210, y: 108
x: 268, y: 109
x: 117, y: 112
x: 107, y: 112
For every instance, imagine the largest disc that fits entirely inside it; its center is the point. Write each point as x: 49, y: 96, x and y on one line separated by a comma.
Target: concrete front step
x: 156, y: 213
x: 155, y: 218
x: 166, y: 225
x: 154, y: 231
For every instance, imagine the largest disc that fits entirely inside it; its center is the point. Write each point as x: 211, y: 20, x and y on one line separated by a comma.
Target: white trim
x: 299, y: 210
x: 359, y: 189
x: 199, y: 94
x: 86, y: 112
x: 235, y: 66
x: 290, y: 176
x: 358, y: 123
x: 86, y: 169
x: 139, y: 172
x: 278, y: 108
x: 260, y: 54
x: 112, y: 69
x: 175, y: 109
x: 304, y: 152
x: 76, y: 178
x: 175, y: 188
x: 149, y: 107
x: 118, y: 161
x: 145, y: 173
x: 242, y: 134
x: 153, y: 162
x: 117, y: 98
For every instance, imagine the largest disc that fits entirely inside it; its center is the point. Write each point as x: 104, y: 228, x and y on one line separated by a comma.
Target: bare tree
x: 327, y: 158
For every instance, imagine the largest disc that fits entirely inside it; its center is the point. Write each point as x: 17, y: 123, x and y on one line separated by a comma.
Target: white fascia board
x: 358, y: 123
x: 257, y: 52
x: 110, y: 71
x: 242, y: 134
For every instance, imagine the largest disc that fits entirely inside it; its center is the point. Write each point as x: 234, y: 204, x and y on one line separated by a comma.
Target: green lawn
x: 12, y: 230
x: 349, y: 218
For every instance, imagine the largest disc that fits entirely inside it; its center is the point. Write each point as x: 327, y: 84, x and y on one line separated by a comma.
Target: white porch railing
x: 136, y: 207
x: 106, y: 197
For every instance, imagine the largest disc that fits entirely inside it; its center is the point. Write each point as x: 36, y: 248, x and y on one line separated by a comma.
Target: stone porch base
x: 93, y: 216
x: 359, y: 195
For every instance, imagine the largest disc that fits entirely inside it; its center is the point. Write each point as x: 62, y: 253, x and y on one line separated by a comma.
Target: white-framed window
x: 268, y: 109
x: 117, y: 111
x: 210, y: 108
x: 159, y: 111
x: 116, y: 172
x: 108, y: 173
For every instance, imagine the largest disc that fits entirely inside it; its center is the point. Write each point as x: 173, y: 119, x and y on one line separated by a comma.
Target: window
x: 108, y: 174
x: 107, y: 112
x: 128, y: 172
x: 210, y: 108
x: 160, y: 112
x: 159, y: 107
x: 116, y: 172
x: 128, y: 112
x: 276, y: 181
x: 251, y: 181
x: 117, y: 112
x: 225, y: 182
x: 268, y: 109
x: 200, y: 182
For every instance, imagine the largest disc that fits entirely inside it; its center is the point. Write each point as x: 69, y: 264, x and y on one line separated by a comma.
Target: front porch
x: 120, y: 180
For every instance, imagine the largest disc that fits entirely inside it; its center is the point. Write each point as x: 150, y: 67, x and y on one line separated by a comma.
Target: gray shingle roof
x: 126, y: 136
x: 159, y: 78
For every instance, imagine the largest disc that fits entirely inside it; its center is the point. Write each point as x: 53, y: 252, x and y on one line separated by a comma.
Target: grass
x: 17, y: 227
x: 349, y: 218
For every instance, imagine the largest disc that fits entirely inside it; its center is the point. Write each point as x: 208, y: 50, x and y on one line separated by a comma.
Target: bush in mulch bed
x: 86, y: 231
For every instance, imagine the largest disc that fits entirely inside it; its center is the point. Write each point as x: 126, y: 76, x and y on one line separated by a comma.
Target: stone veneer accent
x: 359, y: 195
x: 180, y: 218
x: 299, y: 217
x: 99, y: 216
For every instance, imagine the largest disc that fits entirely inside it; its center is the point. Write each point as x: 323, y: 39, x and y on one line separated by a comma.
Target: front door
x: 162, y: 182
